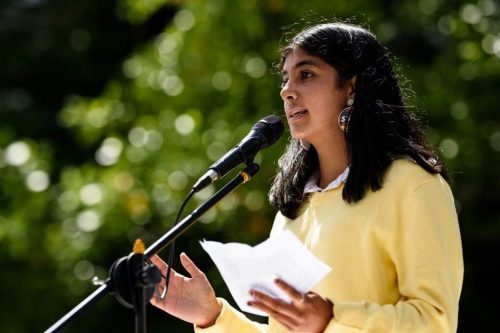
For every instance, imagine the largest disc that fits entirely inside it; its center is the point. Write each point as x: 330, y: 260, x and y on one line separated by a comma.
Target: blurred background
x: 110, y: 111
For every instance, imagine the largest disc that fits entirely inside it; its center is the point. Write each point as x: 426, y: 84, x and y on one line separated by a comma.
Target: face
x: 313, y: 99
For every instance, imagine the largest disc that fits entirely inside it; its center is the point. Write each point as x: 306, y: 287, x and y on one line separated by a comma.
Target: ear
x: 351, y: 87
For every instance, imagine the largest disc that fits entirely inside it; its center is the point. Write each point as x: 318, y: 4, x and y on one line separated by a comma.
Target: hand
x: 307, y: 313
x: 190, y: 299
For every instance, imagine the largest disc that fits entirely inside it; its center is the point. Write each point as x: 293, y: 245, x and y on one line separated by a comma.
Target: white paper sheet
x: 244, y: 267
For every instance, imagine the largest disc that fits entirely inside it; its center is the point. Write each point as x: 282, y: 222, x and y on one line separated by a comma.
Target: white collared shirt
x: 312, y: 183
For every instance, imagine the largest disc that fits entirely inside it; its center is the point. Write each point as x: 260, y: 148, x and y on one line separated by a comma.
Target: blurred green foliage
x: 110, y: 111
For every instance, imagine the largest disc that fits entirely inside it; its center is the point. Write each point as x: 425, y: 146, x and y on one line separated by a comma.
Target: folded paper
x: 244, y: 267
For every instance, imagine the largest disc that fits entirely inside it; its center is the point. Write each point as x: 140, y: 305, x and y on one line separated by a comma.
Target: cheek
x: 329, y: 104
x: 338, y: 101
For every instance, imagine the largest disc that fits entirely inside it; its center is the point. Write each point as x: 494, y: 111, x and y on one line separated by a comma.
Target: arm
x: 422, y: 241
x: 426, y: 250
x: 231, y: 320
x: 193, y: 300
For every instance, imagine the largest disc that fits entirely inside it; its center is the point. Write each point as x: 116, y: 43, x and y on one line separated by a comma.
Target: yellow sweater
x: 396, y: 257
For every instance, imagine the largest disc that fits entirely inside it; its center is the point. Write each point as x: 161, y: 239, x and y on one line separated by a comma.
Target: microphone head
x: 269, y: 130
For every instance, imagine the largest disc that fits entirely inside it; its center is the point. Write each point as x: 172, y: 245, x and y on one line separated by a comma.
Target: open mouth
x: 298, y: 113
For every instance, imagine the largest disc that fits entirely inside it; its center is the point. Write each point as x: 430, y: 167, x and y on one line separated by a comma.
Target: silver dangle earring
x: 345, y: 115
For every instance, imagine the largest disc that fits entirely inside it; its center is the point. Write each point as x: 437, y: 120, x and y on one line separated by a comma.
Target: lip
x: 296, y: 113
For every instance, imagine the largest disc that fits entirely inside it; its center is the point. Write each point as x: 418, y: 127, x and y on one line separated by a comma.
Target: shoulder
x: 408, y: 171
x: 405, y: 176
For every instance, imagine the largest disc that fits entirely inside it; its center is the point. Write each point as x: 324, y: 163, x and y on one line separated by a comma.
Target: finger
x: 155, y: 301
x: 289, y: 322
x: 275, y: 305
x: 158, y: 262
x: 284, y: 319
x: 162, y: 266
x: 293, y: 293
x: 189, y: 265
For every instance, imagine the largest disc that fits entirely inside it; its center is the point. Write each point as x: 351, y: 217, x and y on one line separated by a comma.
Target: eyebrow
x: 302, y: 63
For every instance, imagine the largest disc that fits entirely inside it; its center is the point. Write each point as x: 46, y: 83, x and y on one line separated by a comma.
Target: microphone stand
x: 131, y: 281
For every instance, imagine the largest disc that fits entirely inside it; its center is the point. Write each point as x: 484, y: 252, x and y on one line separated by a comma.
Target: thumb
x: 189, y: 265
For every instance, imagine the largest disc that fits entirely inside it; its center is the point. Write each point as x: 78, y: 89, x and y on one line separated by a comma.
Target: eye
x: 284, y: 80
x: 305, y: 74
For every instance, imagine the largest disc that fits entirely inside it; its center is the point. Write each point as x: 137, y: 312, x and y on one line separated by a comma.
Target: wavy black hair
x: 381, y: 128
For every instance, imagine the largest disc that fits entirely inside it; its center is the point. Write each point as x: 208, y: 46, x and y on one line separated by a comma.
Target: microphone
x: 262, y: 135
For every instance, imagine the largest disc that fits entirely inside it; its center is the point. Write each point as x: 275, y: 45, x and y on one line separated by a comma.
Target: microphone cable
x: 171, y: 250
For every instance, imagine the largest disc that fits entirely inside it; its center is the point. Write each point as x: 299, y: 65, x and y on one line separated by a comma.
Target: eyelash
x: 304, y: 75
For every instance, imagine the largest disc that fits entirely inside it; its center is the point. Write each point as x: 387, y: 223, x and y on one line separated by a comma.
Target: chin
x: 297, y: 135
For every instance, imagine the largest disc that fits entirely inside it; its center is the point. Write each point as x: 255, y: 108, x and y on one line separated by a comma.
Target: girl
x: 359, y: 185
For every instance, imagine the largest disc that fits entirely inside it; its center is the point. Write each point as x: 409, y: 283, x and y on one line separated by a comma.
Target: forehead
x: 297, y: 59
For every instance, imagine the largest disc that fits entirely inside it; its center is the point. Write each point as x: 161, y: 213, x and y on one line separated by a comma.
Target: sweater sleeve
x: 231, y: 320
x: 426, y: 250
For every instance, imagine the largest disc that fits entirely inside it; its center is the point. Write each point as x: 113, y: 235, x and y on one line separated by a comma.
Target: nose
x: 287, y: 93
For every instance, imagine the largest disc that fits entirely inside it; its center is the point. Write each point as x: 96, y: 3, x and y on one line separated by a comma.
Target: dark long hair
x: 381, y: 128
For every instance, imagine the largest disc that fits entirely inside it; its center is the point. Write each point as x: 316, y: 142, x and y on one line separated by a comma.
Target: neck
x: 332, y: 162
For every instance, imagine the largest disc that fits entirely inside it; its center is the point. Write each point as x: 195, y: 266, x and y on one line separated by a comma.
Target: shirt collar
x: 312, y: 183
